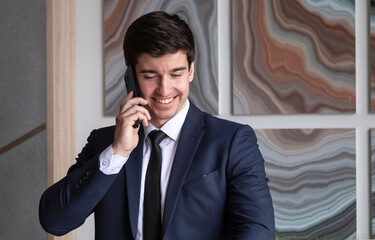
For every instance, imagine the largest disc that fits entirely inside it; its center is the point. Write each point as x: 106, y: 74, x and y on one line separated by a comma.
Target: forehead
x: 170, y: 60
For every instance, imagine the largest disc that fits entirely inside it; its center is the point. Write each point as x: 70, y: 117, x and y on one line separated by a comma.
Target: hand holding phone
x: 131, y: 84
x: 130, y: 116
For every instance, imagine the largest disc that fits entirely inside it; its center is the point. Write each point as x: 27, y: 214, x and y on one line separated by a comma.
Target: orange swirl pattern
x: 293, y: 57
x: 202, y: 18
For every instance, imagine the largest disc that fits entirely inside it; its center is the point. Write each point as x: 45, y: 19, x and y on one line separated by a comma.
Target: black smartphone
x: 131, y: 83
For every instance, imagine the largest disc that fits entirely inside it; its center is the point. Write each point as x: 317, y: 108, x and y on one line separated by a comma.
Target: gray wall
x: 22, y: 117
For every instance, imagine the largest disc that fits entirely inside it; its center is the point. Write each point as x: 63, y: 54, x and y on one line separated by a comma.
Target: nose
x: 163, y: 88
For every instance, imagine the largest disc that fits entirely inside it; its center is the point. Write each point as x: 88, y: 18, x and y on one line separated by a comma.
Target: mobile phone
x: 131, y: 83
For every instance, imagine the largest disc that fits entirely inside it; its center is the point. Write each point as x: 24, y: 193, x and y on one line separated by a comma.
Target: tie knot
x: 157, y: 136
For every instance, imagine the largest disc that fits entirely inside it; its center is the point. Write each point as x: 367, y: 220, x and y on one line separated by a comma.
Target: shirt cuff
x: 110, y: 163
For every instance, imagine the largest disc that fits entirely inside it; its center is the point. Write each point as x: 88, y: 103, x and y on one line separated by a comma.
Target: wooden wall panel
x: 60, y: 91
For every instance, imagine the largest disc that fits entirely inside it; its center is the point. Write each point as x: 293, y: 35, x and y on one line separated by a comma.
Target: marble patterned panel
x: 293, y: 57
x: 372, y: 55
x: 202, y: 18
x: 372, y: 144
x: 312, y: 181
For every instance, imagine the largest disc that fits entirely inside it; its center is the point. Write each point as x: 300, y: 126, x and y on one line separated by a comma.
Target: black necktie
x: 152, y: 197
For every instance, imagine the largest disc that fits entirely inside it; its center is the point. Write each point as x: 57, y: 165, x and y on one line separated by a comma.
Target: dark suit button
x: 88, y: 173
x: 85, y: 178
x: 78, y: 185
x: 81, y: 181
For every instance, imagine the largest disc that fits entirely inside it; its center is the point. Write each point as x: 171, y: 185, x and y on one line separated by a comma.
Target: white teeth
x: 164, y: 100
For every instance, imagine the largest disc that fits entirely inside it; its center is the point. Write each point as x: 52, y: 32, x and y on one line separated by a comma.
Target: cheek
x: 186, y: 87
x: 183, y: 86
x: 146, y: 89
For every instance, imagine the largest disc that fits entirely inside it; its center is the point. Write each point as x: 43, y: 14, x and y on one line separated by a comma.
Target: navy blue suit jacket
x: 217, y: 188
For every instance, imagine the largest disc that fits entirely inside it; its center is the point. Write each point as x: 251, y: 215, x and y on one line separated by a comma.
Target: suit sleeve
x: 249, y: 201
x: 65, y: 205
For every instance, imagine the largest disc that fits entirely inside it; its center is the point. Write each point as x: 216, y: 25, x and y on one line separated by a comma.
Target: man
x: 211, y: 182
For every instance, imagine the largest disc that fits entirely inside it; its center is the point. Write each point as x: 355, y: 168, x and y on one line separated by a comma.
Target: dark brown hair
x: 158, y: 33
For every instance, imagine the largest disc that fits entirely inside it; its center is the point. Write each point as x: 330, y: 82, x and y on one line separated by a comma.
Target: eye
x: 176, y: 74
x: 149, y: 76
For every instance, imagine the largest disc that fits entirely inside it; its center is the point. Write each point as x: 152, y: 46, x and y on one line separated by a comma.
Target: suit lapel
x: 133, y: 173
x: 191, y: 135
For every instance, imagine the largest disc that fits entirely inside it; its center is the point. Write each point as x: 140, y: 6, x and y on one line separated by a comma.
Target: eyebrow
x: 148, y: 71
x: 178, y: 69
x: 153, y: 71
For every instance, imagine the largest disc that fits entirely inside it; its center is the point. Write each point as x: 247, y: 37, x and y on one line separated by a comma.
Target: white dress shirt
x: 110, y: 163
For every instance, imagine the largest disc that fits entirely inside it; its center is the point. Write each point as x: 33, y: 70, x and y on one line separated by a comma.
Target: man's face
x: 164, y: 83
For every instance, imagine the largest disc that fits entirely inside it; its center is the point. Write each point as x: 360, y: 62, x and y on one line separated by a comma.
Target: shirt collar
x: 173, y: 126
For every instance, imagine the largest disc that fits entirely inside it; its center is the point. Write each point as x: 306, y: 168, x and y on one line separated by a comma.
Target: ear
x: 191, y: 72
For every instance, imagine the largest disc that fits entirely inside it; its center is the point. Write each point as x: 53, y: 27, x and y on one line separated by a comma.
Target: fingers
x: 132, y: 110
x: 126, y: 136
x: 129, y: 118
x: 137, y: 109
x: 129, y: 121
x: 130, y: 98
x: 129, y: 102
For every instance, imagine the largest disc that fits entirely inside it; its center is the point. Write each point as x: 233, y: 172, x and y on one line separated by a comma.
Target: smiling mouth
x: 168, y: 100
